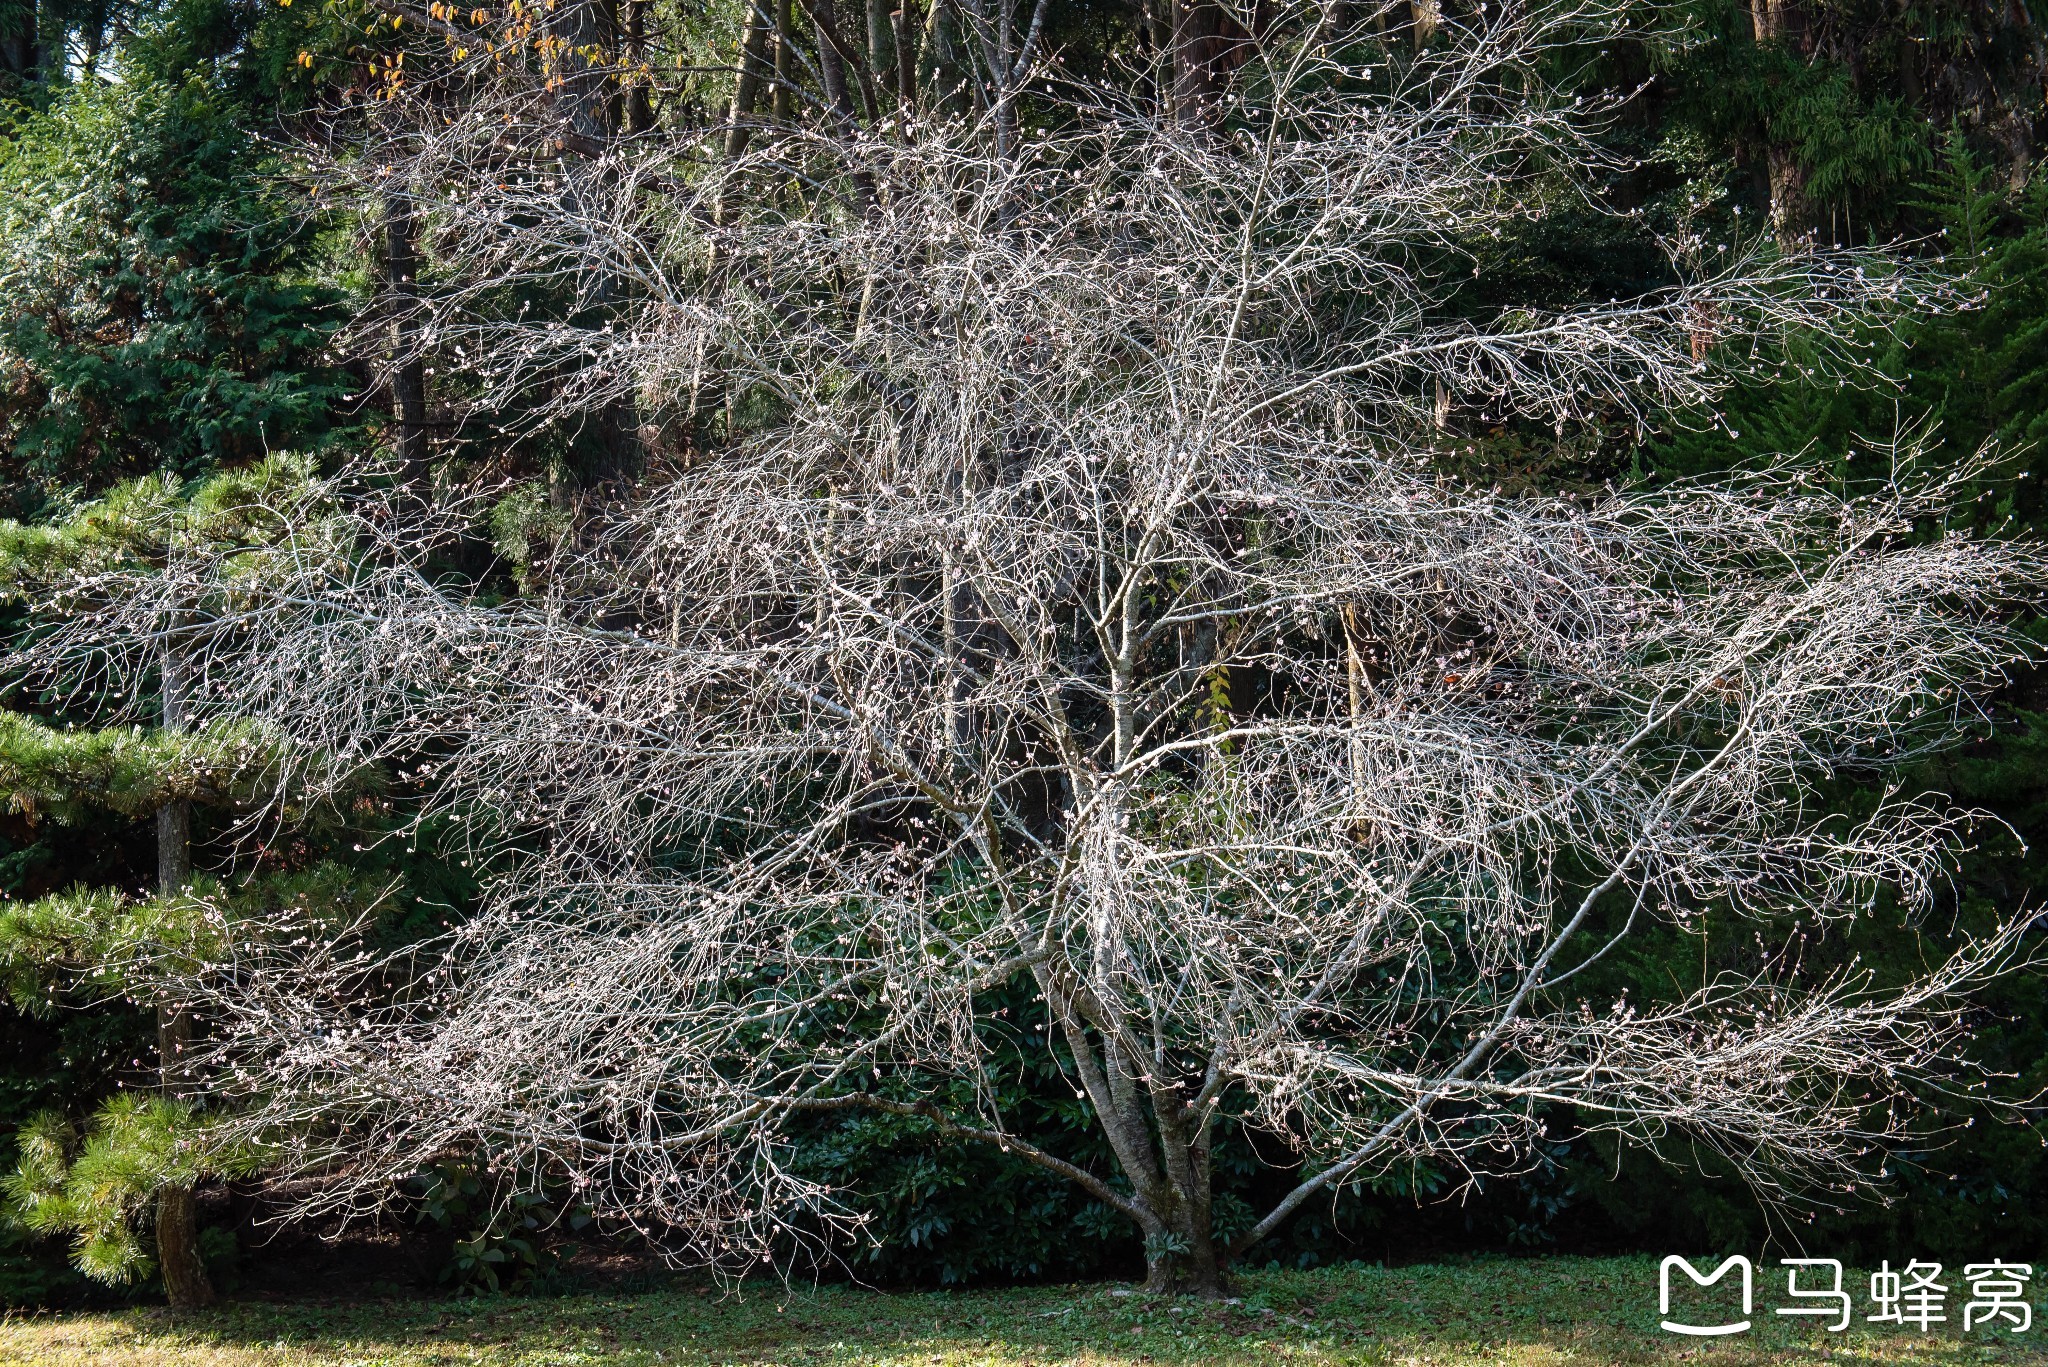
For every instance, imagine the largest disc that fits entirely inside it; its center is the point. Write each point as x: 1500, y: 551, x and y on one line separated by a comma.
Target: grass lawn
x: 1533, y: 1311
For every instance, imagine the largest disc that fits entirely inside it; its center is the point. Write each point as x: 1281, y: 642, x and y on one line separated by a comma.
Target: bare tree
x: 1088, y: 609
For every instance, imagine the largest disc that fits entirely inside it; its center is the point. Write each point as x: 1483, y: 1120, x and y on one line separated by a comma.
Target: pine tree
x: 139, y: 1153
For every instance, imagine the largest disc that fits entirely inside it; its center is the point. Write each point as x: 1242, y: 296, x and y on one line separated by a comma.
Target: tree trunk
x: 1335, y: 25
x: 186, y: 1285
x: 1184, y: 1261
x: 881, y: 42
x: 1425, y: 17
x: 832, y: 62
x: 1784, y: 21
x: 782, y: 108
x: 951, y: 90
x: 1162, y: 1151
x: 746, y: 88
x: 408, y: 366
x: 589, y: 88
x: 177, y: 1228
x: 909, y: 25
x: 21, y: 52
x: 591, y: 99
x: 1209, y: 44
x: 1791, y: 216
x: 1197, y: 83
x: 639, y: 105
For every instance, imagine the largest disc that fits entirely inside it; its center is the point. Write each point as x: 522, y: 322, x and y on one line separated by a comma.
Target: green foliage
x: 62, y: 774
x: 104, y: 940
x: 98, y: 1188
x: 63, y: 1059
x: 147, y: 315
x: 160, y: 319
x: 112, y: 943
x: 508, y: 1239
x: 523, y: 522
x: 1858, y: 144
x: 143, y: 520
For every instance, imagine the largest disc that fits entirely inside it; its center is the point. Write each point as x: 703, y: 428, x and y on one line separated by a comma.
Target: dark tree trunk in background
x: 1208, y: 45
x: 782, y: 108
x: 753, y: 74
x: 881, y: 41
x: 592, y: 100
x: 639, y: 104
x: 909, y: 25
x: 831, y: 60
x: 408, y: 366
x: 21, y: 49
x: 1785, y: 22
x: 186, y: 1285
x: 1198, y: 34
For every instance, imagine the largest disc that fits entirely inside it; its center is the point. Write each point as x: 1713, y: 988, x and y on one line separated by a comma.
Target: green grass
x: 1510, y: 1313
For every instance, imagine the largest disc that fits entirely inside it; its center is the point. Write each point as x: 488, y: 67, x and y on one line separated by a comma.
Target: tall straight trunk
x: 186, y: 1284
x: 881, y: 42
x: 639, y: 105
x: 21, y: 51
x: 95, y: 41
x: 1155, y: 45
x: 783, y: 107
x: 753, y: 73
x: 1425, y: 17
x: 951, y: 90
x: 1208, y: 44
x: 591, y: 102
x: 839, y: 59
x: 1786, y: 22
x: 832, y: 62
x: 909, y: 27
x: 589, y: 90
x: 408, y: 366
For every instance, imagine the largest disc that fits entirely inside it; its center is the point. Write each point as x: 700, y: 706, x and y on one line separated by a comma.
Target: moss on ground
x: 1504, y: 1313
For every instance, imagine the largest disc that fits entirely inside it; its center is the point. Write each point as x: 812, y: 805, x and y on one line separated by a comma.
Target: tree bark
x: 1208, y: 45
x: 832, y: 61
x: 746, y: 89
x: 591, y: 101
x: 881, y: 58
x: 186, y: 1284
x: 909, y: 25
x: 21, y: 52
x: 1185, y: 1262
x: 1425, y: 17
x: 782, y: 108
x: 639, y: 106
x: 408, y: 366
x: 1784, y: 21
x: 1197, y: 83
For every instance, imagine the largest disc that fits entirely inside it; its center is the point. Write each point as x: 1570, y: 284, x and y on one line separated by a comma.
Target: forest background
x: 174, y: 302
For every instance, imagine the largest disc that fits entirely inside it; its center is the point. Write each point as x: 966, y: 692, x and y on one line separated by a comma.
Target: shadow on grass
x: 1521, y: 1312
